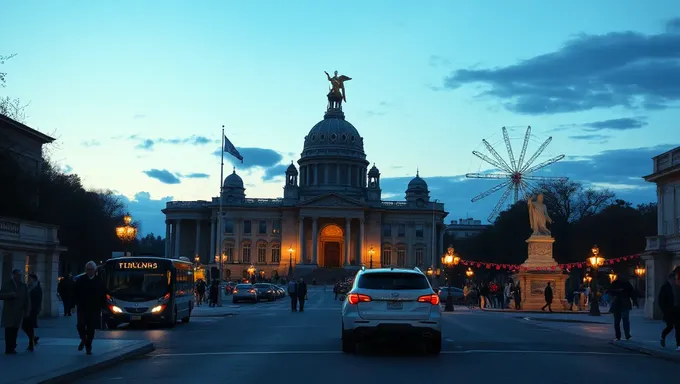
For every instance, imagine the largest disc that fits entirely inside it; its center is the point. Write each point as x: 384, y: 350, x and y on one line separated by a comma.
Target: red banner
x: 559, y: 267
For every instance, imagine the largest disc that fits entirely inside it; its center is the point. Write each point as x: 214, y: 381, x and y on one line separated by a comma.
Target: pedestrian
x: 292, y: 293
x: 90, y: 297
x: 669, y: 302
x: 517, y: 292
x: 548, y: 295
x: 65, y: 292
x: 484, y: 296
x: 302, y: 293
x: 623, y: 296
x: 507, y: 295
x: 30, y: 322
x: 17, y: 304
x: 200, y: 292
x: 213, y: 292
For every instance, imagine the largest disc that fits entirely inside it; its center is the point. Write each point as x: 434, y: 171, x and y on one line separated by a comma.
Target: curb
x: 662, y: 354
x: 215, y: 314
x: 71, y: 373
x: 582, y: 313
x: 549, y: 320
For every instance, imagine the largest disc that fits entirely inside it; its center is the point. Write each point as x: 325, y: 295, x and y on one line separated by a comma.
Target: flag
x: 230, y: 149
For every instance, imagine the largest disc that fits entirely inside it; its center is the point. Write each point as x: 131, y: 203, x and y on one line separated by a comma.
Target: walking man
x: 30, y: 322
x: 90, y: 296
x: 292, y: 293
x: 669, y: 302
x: 15, y: 308
x: 65, y: 292
x: 302, y: 293
x: 622, y: 293
x: 548, y: 293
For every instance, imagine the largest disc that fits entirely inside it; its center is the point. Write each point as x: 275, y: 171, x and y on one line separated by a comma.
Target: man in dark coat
x: 65, y: 291
x: 548, y: 293
x: 623, y: 294
x: 302, y: 293
x: 89, y: 296
x: 669, y: 302
x: 15, y: 308
x: 30, y: 322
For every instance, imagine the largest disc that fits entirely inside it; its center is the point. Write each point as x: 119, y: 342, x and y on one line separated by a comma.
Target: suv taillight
x: 355, y: 298
x: 432, y: 299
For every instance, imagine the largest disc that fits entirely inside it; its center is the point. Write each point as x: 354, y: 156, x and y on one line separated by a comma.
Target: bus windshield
x: 131, y: 285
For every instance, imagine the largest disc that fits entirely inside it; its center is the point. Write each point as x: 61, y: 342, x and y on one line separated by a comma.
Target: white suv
x: 391, y: 302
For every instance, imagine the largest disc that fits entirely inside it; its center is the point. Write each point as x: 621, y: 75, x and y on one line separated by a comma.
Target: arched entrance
x: 331, y: 243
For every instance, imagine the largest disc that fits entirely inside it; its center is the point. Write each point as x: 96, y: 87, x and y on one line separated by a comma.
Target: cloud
x: 147, y: 211
x: 91, y: 143
x: 258, y: 158
x: 163, y: 175
x: 620, y: 170
x: 619, y: 69
x: 195, y: 175
x: 139, y: 116
x: 67, y: 169
x: 438, y: 61
x: 593, y: 137
x: 380, y: 110
x: 621, y: 124
x: 150, y: 143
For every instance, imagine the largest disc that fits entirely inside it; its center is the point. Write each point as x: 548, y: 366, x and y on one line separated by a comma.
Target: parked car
x: 244, y: 292
x: 265, y: 291
x: 456, y: 293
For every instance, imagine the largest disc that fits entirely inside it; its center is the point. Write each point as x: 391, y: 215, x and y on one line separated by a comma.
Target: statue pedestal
x: 536, y: 273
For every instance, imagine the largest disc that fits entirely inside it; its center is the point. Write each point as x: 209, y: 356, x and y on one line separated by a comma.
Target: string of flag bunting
x: 567, y: 266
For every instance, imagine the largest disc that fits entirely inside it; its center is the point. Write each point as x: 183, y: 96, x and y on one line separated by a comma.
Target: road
x: 266, y: 341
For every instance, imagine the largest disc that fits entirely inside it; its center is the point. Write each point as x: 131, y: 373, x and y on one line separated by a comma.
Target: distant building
x: 331, y: 216
x: 662, y: 253
x: 26, y: 245
x: 465, y: 228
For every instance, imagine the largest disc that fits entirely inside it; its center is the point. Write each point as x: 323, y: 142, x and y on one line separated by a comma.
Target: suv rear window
x: 244, y: 286
x: 393, y: 281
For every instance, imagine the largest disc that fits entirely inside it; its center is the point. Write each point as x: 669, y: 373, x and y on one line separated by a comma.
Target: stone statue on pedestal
x: 538, y: 216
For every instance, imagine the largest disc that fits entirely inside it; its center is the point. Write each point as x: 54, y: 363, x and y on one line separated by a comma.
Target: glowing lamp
x: 469, y: 272
x: 640, y: 271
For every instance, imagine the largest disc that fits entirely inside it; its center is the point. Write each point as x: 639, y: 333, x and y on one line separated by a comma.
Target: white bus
x: 147, y: 289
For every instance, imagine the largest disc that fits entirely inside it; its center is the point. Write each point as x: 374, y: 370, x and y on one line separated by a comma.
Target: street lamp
x: 596, y: 261
x: 640, y: 271
x: 469, y: 273
x: 251, y: 272
x: 126, y: 232
x: 612, y: 276
x: 587, y: 279
x: 449, y: 261
x: 371, y: 252
x: 290, y: 261
x: 429, y: 272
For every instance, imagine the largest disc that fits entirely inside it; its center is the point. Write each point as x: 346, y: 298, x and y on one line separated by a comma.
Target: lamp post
x: 290, y: 262
x: 449, y: 261
x: 469, y: 273
x: 126, y: 232
x: 371, y: 252
x: 596, y: 261
x: 612, y: 276
x: 251, y: 272
x: 639, y: 272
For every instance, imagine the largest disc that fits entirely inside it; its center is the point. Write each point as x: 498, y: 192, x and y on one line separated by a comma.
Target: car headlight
x: 158, y: 309
x: 115, y: 309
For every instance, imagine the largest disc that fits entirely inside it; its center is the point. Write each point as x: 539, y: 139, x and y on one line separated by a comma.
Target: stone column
x: 348, y: 221
x: 442, y: 229
x: 361, y: 241
x: 177, y: 234
x: 659, y: 209
x: 197, y: 246
x: 168, y: 239
x: 301, y: 247
x: 315, y: 240
x: 238, y: 230
x: 212, y: 240
x: 657, y: 267
x: 49, y: 282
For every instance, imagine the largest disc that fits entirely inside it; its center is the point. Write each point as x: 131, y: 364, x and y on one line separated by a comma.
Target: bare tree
x: 569, y: 201
x: 12, y: 108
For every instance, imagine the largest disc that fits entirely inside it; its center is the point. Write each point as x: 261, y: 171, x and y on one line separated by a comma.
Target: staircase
x: 331, y: 275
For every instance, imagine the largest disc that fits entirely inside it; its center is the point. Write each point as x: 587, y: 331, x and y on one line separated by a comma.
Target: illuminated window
x: 245, y: 257
x: 386, y: 256
x: 261, y: 253
x: 276, y: 253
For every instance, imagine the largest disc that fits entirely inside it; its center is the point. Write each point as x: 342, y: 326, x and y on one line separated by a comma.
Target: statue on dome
x: 538, y: 216
x: 337, y: 93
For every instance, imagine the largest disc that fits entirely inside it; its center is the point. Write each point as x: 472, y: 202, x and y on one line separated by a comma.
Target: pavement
x: 267, y: 342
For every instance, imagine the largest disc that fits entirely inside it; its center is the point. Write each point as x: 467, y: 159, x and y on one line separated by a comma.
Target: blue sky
x: 136, y: 92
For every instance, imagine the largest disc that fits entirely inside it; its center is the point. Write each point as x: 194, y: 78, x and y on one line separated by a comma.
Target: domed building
x: 331, y: 216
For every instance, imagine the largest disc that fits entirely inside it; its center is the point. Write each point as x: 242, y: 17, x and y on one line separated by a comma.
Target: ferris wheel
x: 516, y: 175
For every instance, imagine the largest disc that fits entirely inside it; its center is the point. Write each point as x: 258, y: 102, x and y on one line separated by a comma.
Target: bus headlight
x: 115, y: 309
x: 158, y: 309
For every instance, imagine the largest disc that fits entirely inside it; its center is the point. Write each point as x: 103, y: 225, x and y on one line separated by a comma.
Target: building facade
x: 29, y: 246
x: 662, y: 253
x: 331, y: 215
x: 463, y: 228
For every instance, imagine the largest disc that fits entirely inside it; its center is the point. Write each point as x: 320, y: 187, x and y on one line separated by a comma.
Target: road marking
x: 469, y: 351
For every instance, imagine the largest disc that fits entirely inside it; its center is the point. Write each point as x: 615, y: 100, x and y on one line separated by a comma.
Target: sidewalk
x: 57, y: 360
x: 646, y: 334
x: 227, y: 309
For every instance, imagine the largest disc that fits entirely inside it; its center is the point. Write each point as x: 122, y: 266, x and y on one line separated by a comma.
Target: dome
x: 334, y: 136
x: 417, y: 183
x: 233, y: 181
x: 291, y: 169
x: 373, y: 172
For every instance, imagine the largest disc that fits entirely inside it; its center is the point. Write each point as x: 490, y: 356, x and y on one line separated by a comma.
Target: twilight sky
x: 136, y: 92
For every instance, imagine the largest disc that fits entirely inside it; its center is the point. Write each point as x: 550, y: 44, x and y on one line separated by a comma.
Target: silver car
x: 244, y: 292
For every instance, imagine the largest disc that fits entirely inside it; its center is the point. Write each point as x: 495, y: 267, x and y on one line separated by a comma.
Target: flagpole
x: 220, y: 237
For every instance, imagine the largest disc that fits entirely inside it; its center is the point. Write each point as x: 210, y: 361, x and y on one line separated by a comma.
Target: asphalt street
x: 266, y: 341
